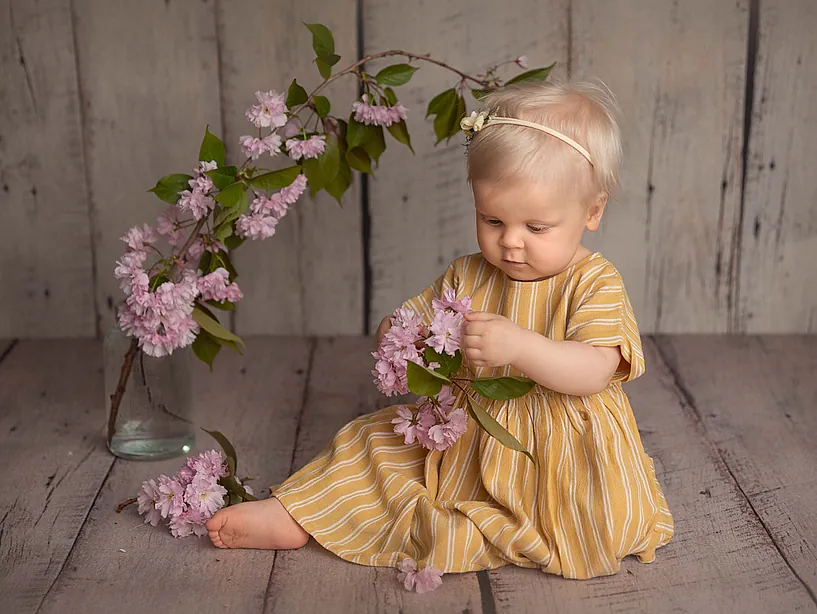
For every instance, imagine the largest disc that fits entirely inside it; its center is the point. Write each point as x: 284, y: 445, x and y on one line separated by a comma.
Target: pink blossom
x: 205, y: 495
x: 188, y: 522
x: 270, y: 112
x: 216, y: 286
x: 522, y: 60
x: 309, y: 148
x: 426, y: 580
x: 292, y: 127
x: 171, y: 497
x: 137, y: 237
x: 446, y: 332
x: 444, y: 435
x: 409, y: 423
x: 185, y: 474
x: 405, y: 318
x: 389, y: 378
x: 378, y: 115
x: 196, y: 202
x: 256, y: 226
x: 272, y: 143
x: 210, y: 463
x: 251, y: 146
x: 168, y: 219
x: 449, y: 300
x: 147, y: 501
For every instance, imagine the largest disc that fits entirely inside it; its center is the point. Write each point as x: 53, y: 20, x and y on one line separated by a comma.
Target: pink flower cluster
x: 407, y: 336
x: 429, y: 579
x: 378, y: 115
x: 270, y: 112
x: 198, y: 201
x: 217, y: 287
x: 266, y: 212
x: 436, y: 425
x: 308, y: 148
x: 188, y: 499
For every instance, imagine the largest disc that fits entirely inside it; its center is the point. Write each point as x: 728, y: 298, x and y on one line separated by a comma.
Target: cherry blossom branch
x: 133, y: 348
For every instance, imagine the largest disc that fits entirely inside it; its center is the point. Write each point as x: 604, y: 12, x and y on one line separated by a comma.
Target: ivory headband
x: 478, y: 121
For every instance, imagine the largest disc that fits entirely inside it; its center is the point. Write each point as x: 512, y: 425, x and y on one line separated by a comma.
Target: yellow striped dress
x: 591, y: 499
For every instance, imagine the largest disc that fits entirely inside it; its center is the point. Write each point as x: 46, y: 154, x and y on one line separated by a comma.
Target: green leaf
x: 222, y: 177
x: 235, y: 489
x: 357, y: 133
x: 222, y: 232
x: 441, y: 102
x: 233, y: 212
x: 322, y: 106
x: 391, y: 97
x: 314, y: 176
x: 455, y: 128
x: 211, y: 148
x: 275, y: 180
x: 204, y: 262
x: 399, y: 131
x: 329, y: 160
x: 296, y: 95
x: 211, y: 325
x: 223, y: 259
x: 224, y: 305
x: 448, y: 364
x: 205, y: 347
x: 396, y: 74
x: 322, y: 40
x: 231, y: 195
x: 359, y: 160
x: 323, y: 68
x: 330, y: 59
x: 341, y: 182
x: 537, y: 74
x: 494, y: 428
x: 503, y: 388
x: 169, y: 186
x: 480, y: 94
x: 227, y: 447
x: 233, y: 241
x: 376, y: 144
x: 424, y: 381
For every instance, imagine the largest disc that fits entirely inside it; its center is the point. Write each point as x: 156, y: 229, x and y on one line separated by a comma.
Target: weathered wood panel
x: 678, y: 70
x: 721, y: 558
x: 756, y: 398
x: 51, y: 420
x: 255, y: 401
x: 340, y: 390
x: 149, y: 77
x: 308, y: 277
x: 46, y: 268
x: 422, y: 212
x: 778, y: 274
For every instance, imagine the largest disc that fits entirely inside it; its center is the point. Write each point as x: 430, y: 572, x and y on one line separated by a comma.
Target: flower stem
x: 125, y: 504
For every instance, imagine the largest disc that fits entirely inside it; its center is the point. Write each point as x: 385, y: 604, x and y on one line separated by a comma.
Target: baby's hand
x: 490, y: 340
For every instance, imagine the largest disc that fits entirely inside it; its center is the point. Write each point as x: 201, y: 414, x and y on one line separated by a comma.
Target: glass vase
x: 152, y: 419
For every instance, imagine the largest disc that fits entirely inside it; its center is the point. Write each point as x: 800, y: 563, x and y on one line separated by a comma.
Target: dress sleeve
x: 601, y: 314
x: 421, y: 304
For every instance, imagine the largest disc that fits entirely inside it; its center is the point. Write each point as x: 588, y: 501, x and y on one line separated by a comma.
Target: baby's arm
x: 384, y: 327
x: 569, y: 367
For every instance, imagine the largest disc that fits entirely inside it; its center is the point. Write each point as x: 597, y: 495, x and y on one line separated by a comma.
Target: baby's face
x: 528, y: 229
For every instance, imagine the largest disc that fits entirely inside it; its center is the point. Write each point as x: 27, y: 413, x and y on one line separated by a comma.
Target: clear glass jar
x: 153, y: 418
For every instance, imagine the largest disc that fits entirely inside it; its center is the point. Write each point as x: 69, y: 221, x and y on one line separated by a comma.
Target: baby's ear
x: 596, y: 211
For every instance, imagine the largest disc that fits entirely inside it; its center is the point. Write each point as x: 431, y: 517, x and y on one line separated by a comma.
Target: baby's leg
x: 256, y: 524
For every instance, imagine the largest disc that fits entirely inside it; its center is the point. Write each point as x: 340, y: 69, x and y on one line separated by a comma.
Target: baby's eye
x: 493, y: 222
x: 537, y: 228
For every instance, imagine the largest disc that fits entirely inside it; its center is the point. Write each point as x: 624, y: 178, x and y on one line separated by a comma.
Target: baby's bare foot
x: 261, y: 524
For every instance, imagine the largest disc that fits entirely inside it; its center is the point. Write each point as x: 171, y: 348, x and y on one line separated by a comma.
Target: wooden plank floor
x: 729, y: 421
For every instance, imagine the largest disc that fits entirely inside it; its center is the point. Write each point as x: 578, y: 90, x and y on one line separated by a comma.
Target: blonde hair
x: 587, y: 112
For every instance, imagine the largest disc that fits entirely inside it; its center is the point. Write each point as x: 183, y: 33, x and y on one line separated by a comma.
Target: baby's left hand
x: 489, y: 339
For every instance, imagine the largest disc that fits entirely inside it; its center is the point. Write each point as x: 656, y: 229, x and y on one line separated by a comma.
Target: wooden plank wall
x: 101, y: 98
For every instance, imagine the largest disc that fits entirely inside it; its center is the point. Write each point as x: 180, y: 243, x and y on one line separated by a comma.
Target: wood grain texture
x: 46, y: 260
x: 255, y: 401
x: 51, y: 445
x: 340, y: 390
x: 422, y: 212
x: 149, y: 77
x: 678, y: 70
x: 720, y: 559
x: 307, y: 278
x: 778, y: 276
x: 756, y: 398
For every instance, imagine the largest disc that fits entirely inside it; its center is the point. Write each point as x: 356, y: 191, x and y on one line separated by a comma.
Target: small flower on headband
x: 474, y: 123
